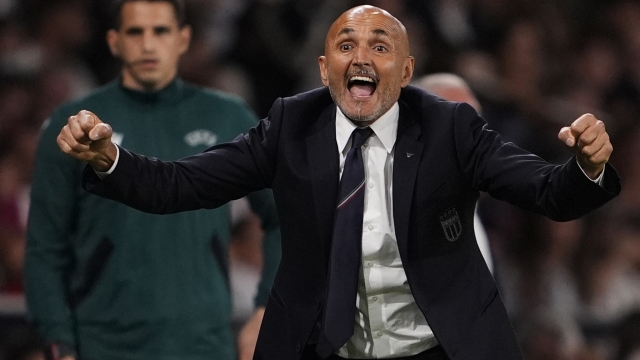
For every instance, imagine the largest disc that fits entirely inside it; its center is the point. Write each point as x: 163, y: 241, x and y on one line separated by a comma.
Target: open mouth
x: 361, y: 85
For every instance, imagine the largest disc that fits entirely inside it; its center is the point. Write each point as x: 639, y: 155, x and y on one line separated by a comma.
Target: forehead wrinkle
x: 367, y: 13
x: 378, y: 32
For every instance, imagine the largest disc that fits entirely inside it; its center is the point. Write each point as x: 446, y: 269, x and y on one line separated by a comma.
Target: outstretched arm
x: 507, y: 172
x: 206, y: 180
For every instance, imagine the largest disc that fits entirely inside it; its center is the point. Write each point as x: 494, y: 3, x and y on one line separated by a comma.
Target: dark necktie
x: 346, y: 248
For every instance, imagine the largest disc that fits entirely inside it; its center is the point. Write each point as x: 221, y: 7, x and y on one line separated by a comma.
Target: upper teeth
x: 362, y: 78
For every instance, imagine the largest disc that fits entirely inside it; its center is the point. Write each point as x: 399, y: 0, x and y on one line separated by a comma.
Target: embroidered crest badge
x: 201, y: 137
x: 450, y: 222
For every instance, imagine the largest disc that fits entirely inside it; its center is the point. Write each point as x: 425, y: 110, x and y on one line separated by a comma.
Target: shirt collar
x: 170, y: 92
x: 385, y: 128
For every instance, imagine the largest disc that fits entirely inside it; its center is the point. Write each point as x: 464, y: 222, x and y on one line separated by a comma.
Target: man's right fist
x: 87, y: 138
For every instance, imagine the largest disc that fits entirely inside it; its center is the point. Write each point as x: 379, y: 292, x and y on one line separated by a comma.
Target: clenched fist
x: 589, y: 141
x: 87, y: 138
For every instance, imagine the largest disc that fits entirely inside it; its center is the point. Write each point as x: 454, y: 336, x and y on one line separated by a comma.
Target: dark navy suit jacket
x: 444, y: 156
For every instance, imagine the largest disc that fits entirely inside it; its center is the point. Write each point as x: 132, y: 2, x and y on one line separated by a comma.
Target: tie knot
x: 360, y: 136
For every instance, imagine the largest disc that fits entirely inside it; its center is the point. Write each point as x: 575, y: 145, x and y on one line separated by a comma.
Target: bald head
x: 388, y: 26
x: 366, y: 63
x: 449, y: 87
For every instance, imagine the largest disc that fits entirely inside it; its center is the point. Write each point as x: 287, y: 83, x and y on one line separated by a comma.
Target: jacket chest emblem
x: 201, y: 137
x: 450, y: 222
x: 117, y: 138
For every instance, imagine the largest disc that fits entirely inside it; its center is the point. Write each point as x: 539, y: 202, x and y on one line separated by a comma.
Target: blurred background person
x: 132, y: 285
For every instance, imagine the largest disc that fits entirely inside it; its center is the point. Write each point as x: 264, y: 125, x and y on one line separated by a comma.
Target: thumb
x: 566, y: 136
x: 100, y: 131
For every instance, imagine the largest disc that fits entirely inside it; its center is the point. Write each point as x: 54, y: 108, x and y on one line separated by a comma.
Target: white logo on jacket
x: 201, y: 137
x: 116, y: 138
x: 450, y: 222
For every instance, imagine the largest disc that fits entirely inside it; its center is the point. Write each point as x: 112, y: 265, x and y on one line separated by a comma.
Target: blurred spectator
x: 607, y: 272
x: 16, y: 100
x: 12, y: 233
x: 546, y: 338
x: 275, y: 56
x: 15, y: 174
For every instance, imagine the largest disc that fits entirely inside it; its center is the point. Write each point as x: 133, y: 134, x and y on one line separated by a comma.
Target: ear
x: 185, y: 38
x: 322, y: 62
x: 407, y: 73
x: 112, y: 41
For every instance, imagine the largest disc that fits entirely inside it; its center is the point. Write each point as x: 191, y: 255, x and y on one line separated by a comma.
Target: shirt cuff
x: 103, y: 174
x: 597, y: 180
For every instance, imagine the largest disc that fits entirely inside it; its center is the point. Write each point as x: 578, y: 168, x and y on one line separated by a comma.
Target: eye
x: 134, y: 31
x: 346, y: 47
x: 380, y: 48
x: 160, y: 30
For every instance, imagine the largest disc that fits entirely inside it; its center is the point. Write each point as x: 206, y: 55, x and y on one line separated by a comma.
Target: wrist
x: 593, y: 173
x: 104, y: 160
x: 591, y: 170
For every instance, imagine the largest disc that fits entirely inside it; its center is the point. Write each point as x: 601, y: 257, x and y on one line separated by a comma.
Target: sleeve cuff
x: 103, y: 174
x: 597, y: 180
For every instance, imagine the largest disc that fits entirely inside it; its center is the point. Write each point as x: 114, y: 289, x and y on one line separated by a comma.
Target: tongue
x: 361, y: 90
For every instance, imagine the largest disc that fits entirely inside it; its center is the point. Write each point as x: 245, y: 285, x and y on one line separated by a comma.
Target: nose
x: 362, y: 56
x: 148, y: 41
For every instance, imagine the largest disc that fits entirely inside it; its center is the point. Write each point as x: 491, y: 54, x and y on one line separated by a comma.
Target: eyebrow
x: 348, y: 30
x: 380, y: 32
x: 139, y: 29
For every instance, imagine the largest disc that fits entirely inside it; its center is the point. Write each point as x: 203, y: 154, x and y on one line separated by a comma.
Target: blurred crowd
x: 572, y: 289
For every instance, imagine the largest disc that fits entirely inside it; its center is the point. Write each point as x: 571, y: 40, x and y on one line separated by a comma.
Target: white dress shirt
x: 388, y: 322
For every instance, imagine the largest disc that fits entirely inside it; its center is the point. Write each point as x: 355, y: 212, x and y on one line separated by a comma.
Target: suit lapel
x: 324, y: 162
x: 407, y: 156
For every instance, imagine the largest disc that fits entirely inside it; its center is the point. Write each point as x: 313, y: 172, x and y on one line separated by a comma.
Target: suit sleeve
x: 507, y: 172
x: 49, y: 255
x: 207, y: 180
